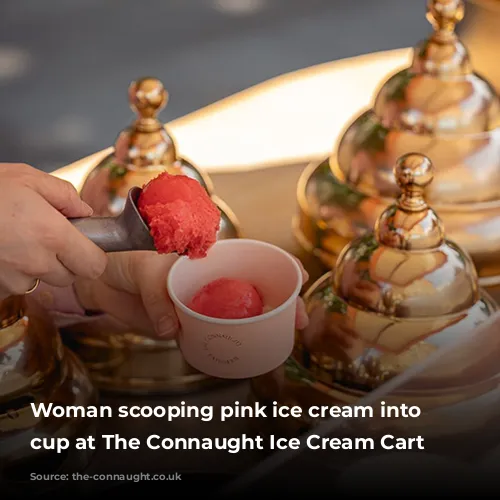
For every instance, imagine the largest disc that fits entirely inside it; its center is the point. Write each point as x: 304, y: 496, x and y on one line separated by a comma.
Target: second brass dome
x: 396, y: 295
x: 438, y: 107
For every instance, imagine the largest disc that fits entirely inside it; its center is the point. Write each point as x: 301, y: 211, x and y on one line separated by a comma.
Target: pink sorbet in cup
x: 236, y: 347
x: 226, y: 298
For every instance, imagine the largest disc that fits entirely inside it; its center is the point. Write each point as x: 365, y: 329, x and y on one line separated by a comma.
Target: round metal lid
x: 439, y: 92
x: 406, y: 267
x: 439, y: 107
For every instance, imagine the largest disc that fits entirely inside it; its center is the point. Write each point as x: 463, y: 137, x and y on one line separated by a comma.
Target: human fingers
x: 119, y: 272
x: 301, y: 317
x: 124, y: 307
x: 61, y: 194
x: 13, y: 282
x: 313, y: 333
x: 150, y: 275
x: 76, y: 252
x: 145, y: 273
x: 56, y: 275
x: 42, y: 236
x: 305, y: 274
x: 33, y: 262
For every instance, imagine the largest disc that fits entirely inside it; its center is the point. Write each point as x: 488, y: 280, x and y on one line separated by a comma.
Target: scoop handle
x: 106, y: 232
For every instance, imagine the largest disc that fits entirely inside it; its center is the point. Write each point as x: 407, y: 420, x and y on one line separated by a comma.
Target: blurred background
x: 65, y: 65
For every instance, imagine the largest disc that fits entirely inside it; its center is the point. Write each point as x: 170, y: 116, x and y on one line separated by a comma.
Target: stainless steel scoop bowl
x: 122, y: 233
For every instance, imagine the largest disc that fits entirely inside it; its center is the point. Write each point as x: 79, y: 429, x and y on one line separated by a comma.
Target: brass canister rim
x: 182, y: 159
x: 483, y: 297
x: 229, y: 213
x: 334, y: 166
x: 322, y: 255
x: 451, y: 136
x: 346, y: 393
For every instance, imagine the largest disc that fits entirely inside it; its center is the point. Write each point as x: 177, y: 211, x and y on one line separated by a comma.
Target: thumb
x: 62, y: 195
x: 151, y: 279
x: 145, y: 274
x: 152, y: 283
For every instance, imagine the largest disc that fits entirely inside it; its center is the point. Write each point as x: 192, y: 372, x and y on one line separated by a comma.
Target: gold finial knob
x: 444, y: 15
x: 410, y: 224
x: 413, y: 173
x: 147, y: 98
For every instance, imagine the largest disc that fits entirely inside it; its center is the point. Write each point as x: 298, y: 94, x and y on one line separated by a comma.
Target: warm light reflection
x: 239, y: 7
x: 14, y: 62
x: 292, y: 118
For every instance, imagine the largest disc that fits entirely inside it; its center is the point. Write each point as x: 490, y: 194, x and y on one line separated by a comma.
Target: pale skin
x: 38, y: 242
x: 36, y: 239
x: 133, y: 291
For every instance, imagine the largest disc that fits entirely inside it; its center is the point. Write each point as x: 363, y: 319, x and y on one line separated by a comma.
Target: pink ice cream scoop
x: 227, y: 298
x: 180, y: 214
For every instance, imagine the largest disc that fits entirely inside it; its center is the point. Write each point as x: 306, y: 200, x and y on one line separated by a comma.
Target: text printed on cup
x: 212, y: 344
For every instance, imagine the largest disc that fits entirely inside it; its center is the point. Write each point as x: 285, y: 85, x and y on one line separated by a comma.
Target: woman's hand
x: 36, y: 239
x: 133, y: 290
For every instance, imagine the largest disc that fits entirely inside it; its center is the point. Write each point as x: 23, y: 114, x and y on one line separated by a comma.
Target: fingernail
x: 88, y: 208
x: 167, y: 326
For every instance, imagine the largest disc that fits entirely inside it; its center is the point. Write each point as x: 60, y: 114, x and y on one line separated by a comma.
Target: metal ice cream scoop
x: 122, y: 233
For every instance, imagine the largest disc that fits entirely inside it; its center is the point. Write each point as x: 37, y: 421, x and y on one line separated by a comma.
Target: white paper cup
x: 238, y: 348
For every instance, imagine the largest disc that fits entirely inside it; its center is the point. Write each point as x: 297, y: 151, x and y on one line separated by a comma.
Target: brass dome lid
x: 439, y: 107
x: 439, y: 92
x: 396, y: 295
x: 141, y: 151
x: 406, y: 267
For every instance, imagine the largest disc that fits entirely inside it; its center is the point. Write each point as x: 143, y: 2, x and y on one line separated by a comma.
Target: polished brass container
x: 480, y: 31
x: 36, y: 368
x: 438, y: 107
x: 131, y: 363
x: 141, y: 152
x: 396, y: 295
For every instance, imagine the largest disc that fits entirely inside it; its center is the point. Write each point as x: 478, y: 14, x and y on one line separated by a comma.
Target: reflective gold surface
x: 405, y: 268
x: 481, y: 34
x: 291, y: 383
x: 251, y: 143
x: 142, y: 151
x: 131, y: 363
x: 438, y: 107
x: 36, y: 368
x: 396, y: 295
